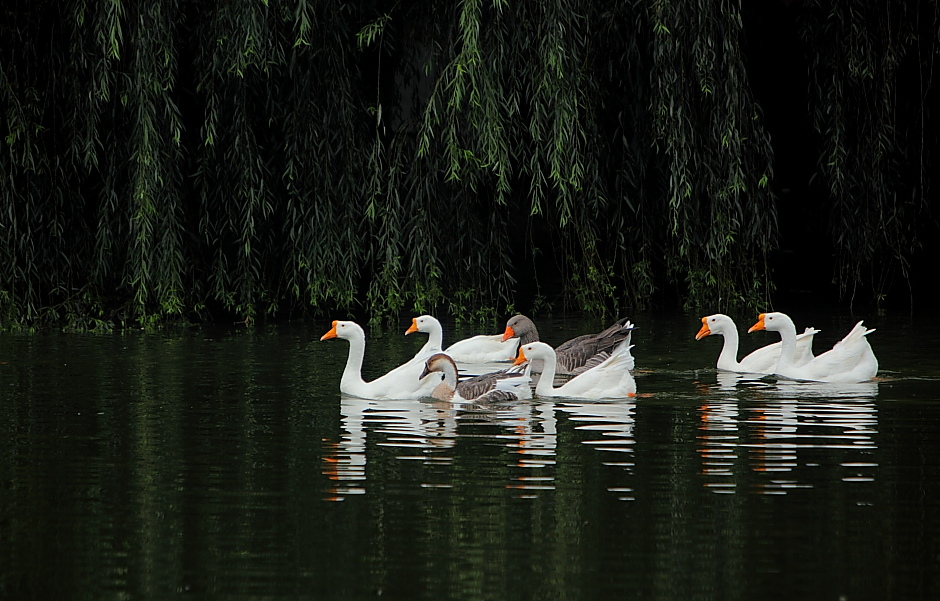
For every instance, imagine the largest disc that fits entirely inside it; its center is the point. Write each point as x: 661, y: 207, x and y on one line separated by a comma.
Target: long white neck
x: 352, y: 375
x: 546, y: 382
x: 787, y: 346
x: 728, y: 359
x: 435, y: 339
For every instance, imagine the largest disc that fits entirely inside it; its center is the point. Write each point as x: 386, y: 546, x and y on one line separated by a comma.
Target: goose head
x: 425, y: 323
x: 714, y: 324
x: 440, y: 363
x: 344, y: 329
x: 772, y: 322
x: 533, y: 350
x: 520, y: 326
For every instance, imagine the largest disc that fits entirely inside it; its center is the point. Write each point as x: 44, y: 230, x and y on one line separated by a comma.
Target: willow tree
x: 713, y: 152
x: 570, y: 120
x: 255, y: 158
x: 873, y: 67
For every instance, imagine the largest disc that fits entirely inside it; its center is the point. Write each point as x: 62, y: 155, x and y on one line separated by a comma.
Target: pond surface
x: 222, y: 463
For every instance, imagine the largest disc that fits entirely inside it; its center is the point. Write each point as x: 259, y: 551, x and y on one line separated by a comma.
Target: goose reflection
x: 799, y: 390
x: 729, y: 381
x: 780, y: 435
x: 427, y: 431
x: 428, y: 428
x: 779, y: 387
x: 612, y: 421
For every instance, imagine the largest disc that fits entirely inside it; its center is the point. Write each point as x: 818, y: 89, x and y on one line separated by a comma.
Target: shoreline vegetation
x: 181, y: 162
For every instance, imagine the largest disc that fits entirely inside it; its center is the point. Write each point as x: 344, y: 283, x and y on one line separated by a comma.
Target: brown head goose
x: 500, y: 386
x: 572, y: 356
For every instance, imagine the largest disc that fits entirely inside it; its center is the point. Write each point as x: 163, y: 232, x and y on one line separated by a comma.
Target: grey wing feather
x: 591, y: 363
x: 498, y: 396
x: 577, y: 352
x: 471, y: 388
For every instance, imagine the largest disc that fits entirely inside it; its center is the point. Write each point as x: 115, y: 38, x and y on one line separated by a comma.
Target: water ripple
x: 785, y: 427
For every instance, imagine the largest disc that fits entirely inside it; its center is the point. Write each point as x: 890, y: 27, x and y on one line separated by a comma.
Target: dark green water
x: 222, y: 463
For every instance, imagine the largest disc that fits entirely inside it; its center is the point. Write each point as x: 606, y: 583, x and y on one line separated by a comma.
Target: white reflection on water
x: 779, y: 431
x: 612, y: 425
x: 792, y: 389
x: 612, y: 422
x: 427, y: 431
x: 755, y: 435
x: 412, y: 425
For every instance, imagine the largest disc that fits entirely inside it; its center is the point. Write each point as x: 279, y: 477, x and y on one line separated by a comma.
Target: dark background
x: 804, y: 266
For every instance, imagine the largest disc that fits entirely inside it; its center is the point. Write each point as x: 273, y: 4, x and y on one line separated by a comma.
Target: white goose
x: 609, y: 379
x: 499, y: 386
x: 761, y: 361
x: 432, y: 328
x: 476, y: 349
x: 850, y: 360
x: 401, y: 383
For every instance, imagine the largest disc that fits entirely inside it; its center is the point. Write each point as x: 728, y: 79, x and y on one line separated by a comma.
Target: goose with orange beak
x: 403, y: 382
x: 761, y: 361
x: 572, y: 355
x: 476, y: 349
x: 606, y: 375
x: 501, y: 386
x: 851, y: 360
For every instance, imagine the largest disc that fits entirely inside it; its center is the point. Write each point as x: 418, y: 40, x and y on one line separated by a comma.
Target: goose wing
x: 513, y: 380
x: 483, y: 349
x: 576, y: 352
x: 764, y: 359
x: 609, y: 379
x: 850, y: 360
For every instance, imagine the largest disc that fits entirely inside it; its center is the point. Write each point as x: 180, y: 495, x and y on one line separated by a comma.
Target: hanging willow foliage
x: 716, y: 155
x: 871, y: 72
x: 186, y: 159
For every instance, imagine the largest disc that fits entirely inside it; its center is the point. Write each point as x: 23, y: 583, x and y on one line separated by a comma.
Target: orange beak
x: 331, y: 333
x: 508, y: 334
x: 757, y: 326
x: 704, y: 331
x: 520, y: 358
x: 413, y: 328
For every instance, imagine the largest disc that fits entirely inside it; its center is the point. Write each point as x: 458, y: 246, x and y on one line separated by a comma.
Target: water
x: 222, y: 463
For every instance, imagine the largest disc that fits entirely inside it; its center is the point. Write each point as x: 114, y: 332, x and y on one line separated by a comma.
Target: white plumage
x: 761, y: 361
x: 608, y: 379
x: 403, y: 382
x: 850, y: 360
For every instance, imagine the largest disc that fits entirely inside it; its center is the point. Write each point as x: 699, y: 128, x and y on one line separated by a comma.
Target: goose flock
x: 590, y: 366
x: 850, y: 361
